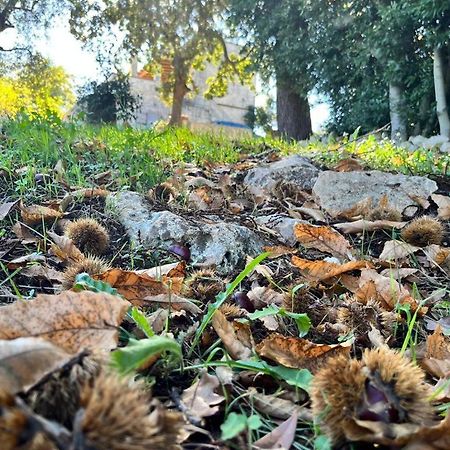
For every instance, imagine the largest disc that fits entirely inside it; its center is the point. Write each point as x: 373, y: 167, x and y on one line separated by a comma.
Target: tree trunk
x: 439, y: 89
x: 293, y: 113
x: 398, y: 120
x: 180, y: 90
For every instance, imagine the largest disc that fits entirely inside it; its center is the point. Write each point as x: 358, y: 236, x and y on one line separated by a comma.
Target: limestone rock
x: 445, y: 147
x: 222, y: 244
x: 283, y: 226
x: 337, y: 192
x: 261, y: 180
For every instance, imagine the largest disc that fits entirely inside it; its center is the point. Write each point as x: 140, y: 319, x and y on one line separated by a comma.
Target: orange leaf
x: 299, y: 353
x: 72, y: 320
x: 322, y: 270
x: 322, y: 238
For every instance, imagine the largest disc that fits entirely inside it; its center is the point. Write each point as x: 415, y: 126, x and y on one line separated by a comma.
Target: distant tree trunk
x: 396, y: 107
x: 439, y: 89
x: 180, y: 90
x: 293, y: 113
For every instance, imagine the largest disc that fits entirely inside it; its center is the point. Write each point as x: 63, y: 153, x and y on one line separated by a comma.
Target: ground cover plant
x: 337, y: 337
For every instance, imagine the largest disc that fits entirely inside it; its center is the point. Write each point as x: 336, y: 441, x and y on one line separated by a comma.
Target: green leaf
x: 302, y: 320
x: 254, y: 422
x: 141, y: 321
x: 233, y: 425
x: 220, y: 298
x: 83, y: 282
x: 322, y: 443
x: 136, y: 353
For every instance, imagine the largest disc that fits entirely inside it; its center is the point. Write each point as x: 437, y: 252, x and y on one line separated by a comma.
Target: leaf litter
x: 339, y: 341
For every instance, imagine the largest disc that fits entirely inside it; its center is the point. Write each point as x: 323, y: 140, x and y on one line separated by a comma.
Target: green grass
x: 139, y: 159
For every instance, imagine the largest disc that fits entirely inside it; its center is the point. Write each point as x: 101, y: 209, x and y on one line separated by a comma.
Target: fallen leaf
x: 23, y: 261
x: 24, y: 234
x: 229, y: 336
x: 43, y: 271
x: 279, y: 250
x: 200, y: 399
x: 421, y: 201
x: 72, y: 320
x: 436, y: 254
x: 207, y: 199
x: 280, y: 438
x: 174, y: 270
x: 64, y: 248
x: 277, y: 407
x: 262, y: 296
x: 322, y: 270
x: 348, y: 165
x: 363, y: 225
x: 5, y: 208
x: 436, y: 359
x: 314, y: 213
x: 394, y: 250
x: 90, y: 193
x: 25, y: 361
x: 139, y: 287
x: 432, y: 438
x: 172, y: 301
x: 443, y: 203
x: 36, y: 214
x: 385, y: 290
x: 298, y: 353
x: 323, y: 238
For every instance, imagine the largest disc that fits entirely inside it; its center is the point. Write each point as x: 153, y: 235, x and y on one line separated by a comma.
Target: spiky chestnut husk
x: 231, y: 310
x: 203, y: 285
x: 384, y: 213
x: 383, y: 386
x: 163, y: 192
x: 360, y: 318
x: 91, y: 265
x: 58, y: 399
x: 423, y: 231
x: 116, y: 416
x: 88, y: 236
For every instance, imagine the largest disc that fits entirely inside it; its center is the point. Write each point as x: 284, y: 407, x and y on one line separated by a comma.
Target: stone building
x: 225, y: 113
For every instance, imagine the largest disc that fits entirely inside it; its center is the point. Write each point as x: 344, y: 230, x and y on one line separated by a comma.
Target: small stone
x: 337, y: 192
x: 224, y: 245
x: 283, y: 226
x: 262, y: 180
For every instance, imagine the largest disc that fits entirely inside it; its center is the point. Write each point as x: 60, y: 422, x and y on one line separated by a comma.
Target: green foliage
x: 83, y: 282
x: 37, y: 88
x: 235, y: 424
x: 259, y: 117
x: 137, y: 353
x: 141, y: 321
x: 109, y: 101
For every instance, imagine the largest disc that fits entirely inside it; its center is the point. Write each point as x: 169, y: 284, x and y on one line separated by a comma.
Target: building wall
x: 200, y: 113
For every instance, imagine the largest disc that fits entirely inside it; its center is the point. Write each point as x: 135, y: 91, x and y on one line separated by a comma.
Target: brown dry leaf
x: 173, y: 301
x: 280, y: 438
x: 322, y: 270
x: 385, y: 290
x: 24, y: 234
x: 25, y: 361
x: 394, y: 250
x: 362, y: 225
x: 262, y: 296
x: 200, y: 399
x: 22, y: 261
x: 36, y: 214
x: 72, y: 320
x: 398, y: 273
x: 173, y: 270
x: 64, y: 248
x: 436, y: 359
x: 43, y: 271
x: 231, y: 335
x: 139, y: 287
x: 436, y: 254
x: 277, y: 407
x: 90, y: 193
x: 279, y: 250
x: 348, y: 165
x: 361, y: 208
x: 421, y: 201
x: 312, y: 212
x: 206, y: 198
x: 443, y: 203
x: 323, y: 238
x: 299, y: 353
x: 5, y: 208
x: 432, y: 438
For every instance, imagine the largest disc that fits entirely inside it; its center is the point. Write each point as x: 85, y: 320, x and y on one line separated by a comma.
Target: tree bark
x: 397, y: 113
x: 439, y: 89
x: 180, y: 90
x: 293, y: 113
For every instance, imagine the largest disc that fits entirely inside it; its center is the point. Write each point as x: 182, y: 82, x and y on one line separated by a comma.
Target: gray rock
x: 283, y: 226
x: 435, y: 141
x: 407, y: 145
x: 445, y: 147
x: 337, y: 192
x: 222, y: 244
x: 418, y: 141
x: 294, y: 169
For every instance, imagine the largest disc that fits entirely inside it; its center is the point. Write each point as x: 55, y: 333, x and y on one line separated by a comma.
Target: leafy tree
x: 187, y: 33
x: 278, y: 37
x: 27, y: 16
x: 109, y: 101
x: 260, y: 117
x: 37, y: 88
